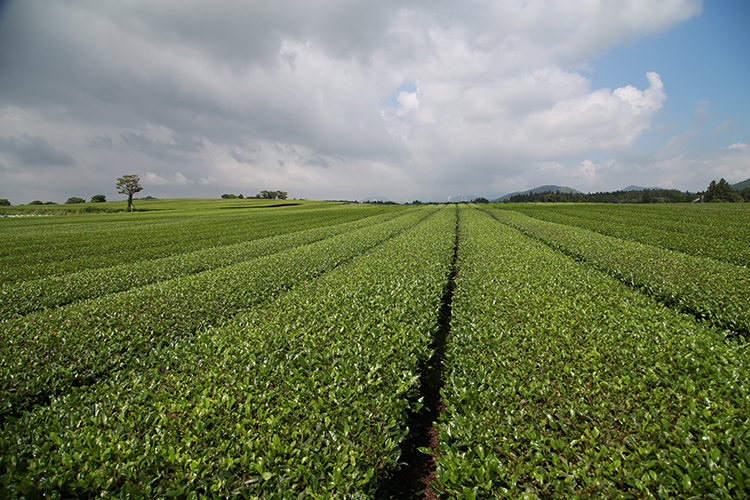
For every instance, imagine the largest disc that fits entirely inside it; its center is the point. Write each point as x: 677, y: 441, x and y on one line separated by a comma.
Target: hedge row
x: 46, y: 353
x: 303, y: 398
x: 17, y: 299
x: 35, y: 249
x: 564, y: 383
x: 716, y: 291
x: 706, y: 233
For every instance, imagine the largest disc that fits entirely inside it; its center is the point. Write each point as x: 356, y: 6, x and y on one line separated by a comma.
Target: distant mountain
x: 741, y: 185
x: 541, y: 189
x: 638, y: 188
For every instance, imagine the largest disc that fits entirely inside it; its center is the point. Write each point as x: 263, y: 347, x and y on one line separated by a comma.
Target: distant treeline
x: 263, y: 195
x: 716, y: 192
x: 636, y: 196
x: 73, y: 200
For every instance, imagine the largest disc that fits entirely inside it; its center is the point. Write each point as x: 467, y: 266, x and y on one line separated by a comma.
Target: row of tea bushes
x: 17, y: 299
x: 63, y: 245
x: 716, y: 291
x: 564, y: 383
x: 302, y: 398
x: 46, y: 352
x: 706, y: 233
x: 715, y: 220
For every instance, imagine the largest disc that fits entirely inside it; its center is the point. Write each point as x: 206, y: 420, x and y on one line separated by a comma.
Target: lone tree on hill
x: 129, y: 185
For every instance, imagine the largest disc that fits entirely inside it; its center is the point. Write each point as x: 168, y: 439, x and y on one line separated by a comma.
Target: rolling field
x: 229, y: 348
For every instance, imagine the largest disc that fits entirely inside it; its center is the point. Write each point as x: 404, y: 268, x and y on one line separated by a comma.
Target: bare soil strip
x: 417, y: 471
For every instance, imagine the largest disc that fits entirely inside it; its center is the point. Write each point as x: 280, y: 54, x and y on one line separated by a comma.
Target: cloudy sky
x: 348, y: 99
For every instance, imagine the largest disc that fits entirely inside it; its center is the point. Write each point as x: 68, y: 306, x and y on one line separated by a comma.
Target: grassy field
x: 182, y: 204
x: 232, y: 348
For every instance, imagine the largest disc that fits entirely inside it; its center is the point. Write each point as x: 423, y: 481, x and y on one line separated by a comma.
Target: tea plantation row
x: 719, y: 232
x: 708, y: 288
x: 302, y: 397
x: 36, y: 248
x: 17, y: 299
x: 46, y: 353
x: 564, y: 383
x: 286, y: 364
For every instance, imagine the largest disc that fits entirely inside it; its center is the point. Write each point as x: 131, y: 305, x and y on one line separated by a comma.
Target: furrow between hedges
x: 414, y: 477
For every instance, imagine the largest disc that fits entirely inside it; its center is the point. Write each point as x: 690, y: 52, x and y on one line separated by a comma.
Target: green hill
x: 741, y: 185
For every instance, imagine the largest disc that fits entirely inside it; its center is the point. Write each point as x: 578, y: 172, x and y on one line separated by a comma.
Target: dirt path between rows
x: 413, y: 479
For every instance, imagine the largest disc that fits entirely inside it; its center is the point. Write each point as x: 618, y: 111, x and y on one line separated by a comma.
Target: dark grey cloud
x: 240, y: 33
x: 318, y: 161
x: 34, y: 151
x: 101, y: 142
x: 173, y: 149
x: 242, y: 156
x: 113, y: 64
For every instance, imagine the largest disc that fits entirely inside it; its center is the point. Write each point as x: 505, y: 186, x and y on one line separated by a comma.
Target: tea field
x: 229, y: 348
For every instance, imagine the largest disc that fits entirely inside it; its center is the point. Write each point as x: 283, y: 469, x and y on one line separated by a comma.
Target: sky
x: 350, y: 99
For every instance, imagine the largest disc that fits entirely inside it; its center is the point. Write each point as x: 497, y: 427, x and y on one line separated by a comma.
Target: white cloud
x: 408, y: 102
x: 176, y: 179
x: 727, y: 126
x: 600, y: 119
x: 292, y: 94
x: 701, y: 111
x: 670, y: 167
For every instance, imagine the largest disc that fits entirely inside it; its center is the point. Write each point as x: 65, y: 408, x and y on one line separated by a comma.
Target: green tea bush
x: 563, y: 383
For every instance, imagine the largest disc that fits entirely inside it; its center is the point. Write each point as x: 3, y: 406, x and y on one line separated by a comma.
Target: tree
x: 129, y: 185
x: 272, y: 195
x: 98, y: 198
x: 74, y: 199
x: 4, y: 202
x: 721, y: 192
